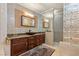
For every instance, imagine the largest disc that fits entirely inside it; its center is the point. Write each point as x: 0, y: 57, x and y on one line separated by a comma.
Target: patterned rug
x: 39, y: 51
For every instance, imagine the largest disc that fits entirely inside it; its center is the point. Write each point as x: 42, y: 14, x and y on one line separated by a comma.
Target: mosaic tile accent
x: 71, y: 21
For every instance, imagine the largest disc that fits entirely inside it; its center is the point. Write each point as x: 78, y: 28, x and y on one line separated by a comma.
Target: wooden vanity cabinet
x: 19, y: 45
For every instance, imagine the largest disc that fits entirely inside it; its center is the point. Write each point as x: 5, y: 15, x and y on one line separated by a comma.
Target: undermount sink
x: 30, y: 33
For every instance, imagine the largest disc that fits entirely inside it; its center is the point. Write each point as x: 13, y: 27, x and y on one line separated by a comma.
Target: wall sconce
x: 29, y: 14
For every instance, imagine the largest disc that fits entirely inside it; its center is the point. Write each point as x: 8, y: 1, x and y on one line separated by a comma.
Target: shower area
x: 56, y: 27
x: 55, y: 35
x: 66, y: 23
x: 71, y: 23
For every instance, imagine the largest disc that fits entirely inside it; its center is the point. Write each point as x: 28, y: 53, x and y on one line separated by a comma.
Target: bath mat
x: 44, y: 51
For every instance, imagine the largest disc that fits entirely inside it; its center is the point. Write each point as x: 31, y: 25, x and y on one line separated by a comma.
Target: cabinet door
x: 32, y: 43
x: 18, y: 40
x: 19, y: 46
x: 40, y: 39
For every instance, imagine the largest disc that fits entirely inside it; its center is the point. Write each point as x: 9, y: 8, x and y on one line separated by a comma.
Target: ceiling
x: 42, y: 7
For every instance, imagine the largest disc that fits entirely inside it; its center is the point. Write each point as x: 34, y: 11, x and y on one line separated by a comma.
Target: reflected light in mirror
x: 46, y: 20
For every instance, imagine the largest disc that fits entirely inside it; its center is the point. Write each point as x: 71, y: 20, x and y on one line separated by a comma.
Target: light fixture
x: 29, y: 14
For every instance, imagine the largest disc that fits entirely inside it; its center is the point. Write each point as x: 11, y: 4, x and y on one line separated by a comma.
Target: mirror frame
x: 44, y: 23
x: 29, y: 19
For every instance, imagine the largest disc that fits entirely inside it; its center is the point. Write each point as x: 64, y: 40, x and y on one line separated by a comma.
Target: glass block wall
x: 71, y: 22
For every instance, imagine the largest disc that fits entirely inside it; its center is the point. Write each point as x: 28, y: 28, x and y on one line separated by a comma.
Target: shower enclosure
x: 66, y: 23
x: 58, y: 25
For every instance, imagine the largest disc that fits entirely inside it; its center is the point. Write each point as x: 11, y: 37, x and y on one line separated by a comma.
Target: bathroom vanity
x: 22, y: 43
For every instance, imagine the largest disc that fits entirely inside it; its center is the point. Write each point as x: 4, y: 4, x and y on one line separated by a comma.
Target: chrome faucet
x: 29, y: 30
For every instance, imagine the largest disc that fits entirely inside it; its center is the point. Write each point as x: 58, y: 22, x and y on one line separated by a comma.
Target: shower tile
x: 71, y: 21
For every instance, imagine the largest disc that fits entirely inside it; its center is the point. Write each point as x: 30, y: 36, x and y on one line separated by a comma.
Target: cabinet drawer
x: 31, y: 41
x: 18, y: 40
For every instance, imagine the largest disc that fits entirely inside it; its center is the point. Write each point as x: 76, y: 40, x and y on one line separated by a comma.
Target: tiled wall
x: 71, y: 21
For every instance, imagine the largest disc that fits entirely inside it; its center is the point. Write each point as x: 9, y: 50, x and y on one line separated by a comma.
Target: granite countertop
x: 13, y: 36
x: 17, y: 36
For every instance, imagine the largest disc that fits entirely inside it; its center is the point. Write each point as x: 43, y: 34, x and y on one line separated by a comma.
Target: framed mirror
x: 27, y: 21
x: 45, y: 23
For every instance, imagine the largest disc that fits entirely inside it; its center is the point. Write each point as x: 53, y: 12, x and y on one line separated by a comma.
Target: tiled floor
x: 4, y: 50
x: 67, y: 49
x: 55, y: 45
x: 1, y: 50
